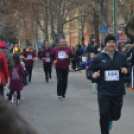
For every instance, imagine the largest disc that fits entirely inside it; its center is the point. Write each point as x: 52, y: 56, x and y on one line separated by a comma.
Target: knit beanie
x: 109, y: 37
x: 3, y: 44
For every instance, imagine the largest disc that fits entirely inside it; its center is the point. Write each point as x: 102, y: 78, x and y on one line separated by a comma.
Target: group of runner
x: 107, y: 69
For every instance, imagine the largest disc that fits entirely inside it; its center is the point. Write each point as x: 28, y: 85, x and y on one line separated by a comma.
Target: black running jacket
x: 108, y: 66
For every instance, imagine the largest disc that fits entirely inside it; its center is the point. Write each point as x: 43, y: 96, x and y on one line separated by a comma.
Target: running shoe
x: 60, y: 97
x: 63, y: 97
x: 18, y: 105
x: 93, y: 90
x: 47, y: 80
x: 110, y: 125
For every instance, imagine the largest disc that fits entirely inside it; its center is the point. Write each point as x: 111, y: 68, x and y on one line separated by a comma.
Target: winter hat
x: 109, y: 37
x: 3, y: 44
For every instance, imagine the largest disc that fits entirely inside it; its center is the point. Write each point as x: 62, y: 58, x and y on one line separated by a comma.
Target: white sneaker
x: 60, y: 97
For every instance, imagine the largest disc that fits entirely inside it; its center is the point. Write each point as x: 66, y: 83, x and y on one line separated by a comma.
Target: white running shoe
x: 60, y: 97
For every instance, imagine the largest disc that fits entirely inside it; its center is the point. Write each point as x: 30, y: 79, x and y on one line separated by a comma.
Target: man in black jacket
x: 109, y: 68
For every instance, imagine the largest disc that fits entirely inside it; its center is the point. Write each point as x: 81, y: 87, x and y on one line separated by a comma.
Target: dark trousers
x: 11, y: 94
x: 47, y: 70
x: 1, y: 90
x: 110, y: 110
x: 29, y: 70
x: 74, y: 64
x: 62, y: 81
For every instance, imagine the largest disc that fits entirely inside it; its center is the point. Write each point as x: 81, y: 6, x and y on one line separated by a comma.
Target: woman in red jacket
x: 3, y: 72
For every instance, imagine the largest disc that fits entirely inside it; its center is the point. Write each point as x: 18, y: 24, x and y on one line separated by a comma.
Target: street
x: 77, y: 114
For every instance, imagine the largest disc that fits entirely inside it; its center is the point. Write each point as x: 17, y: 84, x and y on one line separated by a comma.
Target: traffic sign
x: 103, y: 29
x: 119, y: 30
x: 110, y: 30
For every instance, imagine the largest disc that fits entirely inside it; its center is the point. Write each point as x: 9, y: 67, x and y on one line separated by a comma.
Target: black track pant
x: 29, y: 70
x: 74, y: 64
x: 1, y: 90
x: 47, y: 70
x: 110, y: 110
x: 62, y: 81
x: 11, y: 94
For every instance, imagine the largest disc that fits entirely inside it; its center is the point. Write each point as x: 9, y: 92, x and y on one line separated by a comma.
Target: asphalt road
x: 77, y: 114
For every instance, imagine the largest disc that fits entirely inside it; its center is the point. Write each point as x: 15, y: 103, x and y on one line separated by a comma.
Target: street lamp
x: 58, y: 17
x: 114, y: 17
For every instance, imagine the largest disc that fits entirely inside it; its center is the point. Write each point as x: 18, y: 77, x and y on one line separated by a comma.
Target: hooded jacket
x: 3, y: 69
x: 105, y: 63
x: 8, y: 55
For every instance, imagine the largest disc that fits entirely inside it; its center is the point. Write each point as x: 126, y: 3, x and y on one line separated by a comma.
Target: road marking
x: 37, y: 120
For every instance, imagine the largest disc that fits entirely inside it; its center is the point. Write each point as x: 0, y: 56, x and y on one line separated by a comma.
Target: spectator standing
x: 3, y: 72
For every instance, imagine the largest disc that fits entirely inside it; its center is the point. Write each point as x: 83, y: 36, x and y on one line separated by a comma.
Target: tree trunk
x: 61, y: 32
x: 96, y: 28
x: 53, y: 34
x: 46, y: 24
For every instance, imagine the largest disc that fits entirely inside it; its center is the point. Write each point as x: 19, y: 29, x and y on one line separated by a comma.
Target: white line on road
x: 37, y: 120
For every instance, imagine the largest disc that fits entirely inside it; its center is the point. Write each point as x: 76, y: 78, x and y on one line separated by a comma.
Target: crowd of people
x: 108, y: 67
x: 15, y: 66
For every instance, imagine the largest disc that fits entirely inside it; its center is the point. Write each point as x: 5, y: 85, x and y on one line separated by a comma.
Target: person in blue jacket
x: 90, y: 58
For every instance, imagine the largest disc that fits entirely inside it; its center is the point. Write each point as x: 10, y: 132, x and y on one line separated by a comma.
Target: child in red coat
x: 3, y: 72
x: 16, y: 78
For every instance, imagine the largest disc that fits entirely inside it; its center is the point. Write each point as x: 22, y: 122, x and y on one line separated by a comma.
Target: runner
x: 17, y: 49
x: 47, y: 62
x: 30, y: 57
x: 62, y: 53
x: 108, y: 69
x: 90, y: 58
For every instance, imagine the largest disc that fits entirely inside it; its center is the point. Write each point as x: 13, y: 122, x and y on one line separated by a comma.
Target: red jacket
x: 4, y: 69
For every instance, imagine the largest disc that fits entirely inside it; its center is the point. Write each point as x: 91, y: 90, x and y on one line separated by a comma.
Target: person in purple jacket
x: 29, y: 56
x: 62, y: 54
x: 16, y: 75
x: 47, y: 62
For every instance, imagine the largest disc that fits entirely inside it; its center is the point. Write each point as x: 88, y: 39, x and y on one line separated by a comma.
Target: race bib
x: 15, y: 74
x: 62, y: 55
x: 112, y: 75
x: 29, y: 57
x: 47, y: 60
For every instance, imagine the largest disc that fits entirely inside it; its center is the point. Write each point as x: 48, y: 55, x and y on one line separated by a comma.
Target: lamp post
x: 80, y: 34
x: 58, y: 17
x: 114, y: 18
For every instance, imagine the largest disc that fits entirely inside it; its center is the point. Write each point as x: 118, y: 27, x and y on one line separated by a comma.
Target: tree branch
x: 47, y: 6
